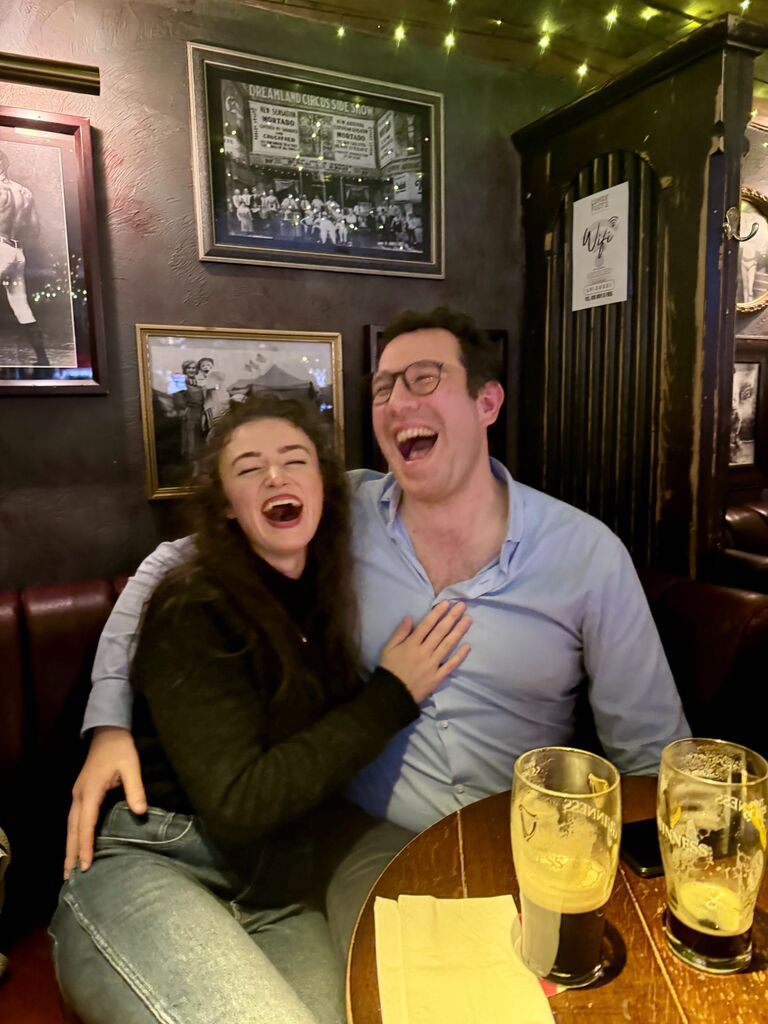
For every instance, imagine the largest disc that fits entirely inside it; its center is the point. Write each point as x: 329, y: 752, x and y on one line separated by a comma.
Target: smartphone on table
x: 640, y: 847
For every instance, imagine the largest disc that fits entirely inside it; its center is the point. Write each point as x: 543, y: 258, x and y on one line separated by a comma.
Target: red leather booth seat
x: 11, y: 688
x: 745, y: 558
x: 716, y: 640
x: 48, y: 636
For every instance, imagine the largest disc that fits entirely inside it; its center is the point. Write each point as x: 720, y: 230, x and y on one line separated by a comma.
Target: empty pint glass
x: 712, y: 820
x: 566, y: 826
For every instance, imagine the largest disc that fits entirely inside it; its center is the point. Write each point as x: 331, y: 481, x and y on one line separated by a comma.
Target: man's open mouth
x: 415, y: 443
x: 282, y: 509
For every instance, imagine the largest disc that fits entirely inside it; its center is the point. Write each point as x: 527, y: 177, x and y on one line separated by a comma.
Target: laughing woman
x: 249, y: 717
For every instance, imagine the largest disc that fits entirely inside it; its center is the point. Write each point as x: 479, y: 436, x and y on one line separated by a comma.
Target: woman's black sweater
x: 218, y: 738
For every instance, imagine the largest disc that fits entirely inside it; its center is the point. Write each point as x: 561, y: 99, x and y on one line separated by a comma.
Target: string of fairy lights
x: 548, y: 29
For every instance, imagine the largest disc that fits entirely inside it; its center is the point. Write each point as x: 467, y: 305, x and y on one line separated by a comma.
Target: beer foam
x: 565, y: 884
x: 712, y: 909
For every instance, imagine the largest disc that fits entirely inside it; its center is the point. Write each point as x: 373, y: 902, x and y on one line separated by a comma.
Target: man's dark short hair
x: 480, y: 357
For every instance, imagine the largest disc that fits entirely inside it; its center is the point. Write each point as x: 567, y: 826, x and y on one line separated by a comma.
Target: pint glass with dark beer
x: 711, y: 816
x: 566, y: 826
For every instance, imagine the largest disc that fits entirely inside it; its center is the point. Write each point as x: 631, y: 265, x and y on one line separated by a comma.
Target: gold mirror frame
x: 760, y: 201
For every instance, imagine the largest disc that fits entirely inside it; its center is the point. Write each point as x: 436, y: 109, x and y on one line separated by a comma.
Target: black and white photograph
x: 191, y: 375
x: 746, y: 379
x: 301, y: 167
x: 752, y: 267
x: 50, y: 318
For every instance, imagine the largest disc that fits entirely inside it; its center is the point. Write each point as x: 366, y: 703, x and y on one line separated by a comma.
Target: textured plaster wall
x: 72, y: 502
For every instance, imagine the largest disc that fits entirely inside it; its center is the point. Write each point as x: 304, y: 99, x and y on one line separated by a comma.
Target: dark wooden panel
x: 601, y: 367
x: 626, y: 406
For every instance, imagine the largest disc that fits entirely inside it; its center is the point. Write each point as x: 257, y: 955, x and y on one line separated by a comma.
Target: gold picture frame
x: 190, y: 375
x: 52, y: 339
x: 752, y: 267
x: 49, y: 74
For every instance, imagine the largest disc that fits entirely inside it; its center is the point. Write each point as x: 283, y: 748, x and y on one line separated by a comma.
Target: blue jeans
x: 160, y: 929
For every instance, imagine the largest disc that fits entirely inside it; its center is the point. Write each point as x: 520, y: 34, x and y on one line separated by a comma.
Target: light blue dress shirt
x: 561, y: 603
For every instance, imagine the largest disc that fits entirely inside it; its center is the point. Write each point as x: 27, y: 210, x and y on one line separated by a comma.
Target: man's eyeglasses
x: 421, y: 378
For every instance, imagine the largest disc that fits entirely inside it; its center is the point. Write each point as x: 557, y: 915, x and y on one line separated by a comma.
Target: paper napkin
x: 454, y: 961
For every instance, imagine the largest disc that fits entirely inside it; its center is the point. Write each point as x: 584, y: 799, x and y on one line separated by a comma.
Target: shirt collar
x: 389, y: 498
x: 391, y: 492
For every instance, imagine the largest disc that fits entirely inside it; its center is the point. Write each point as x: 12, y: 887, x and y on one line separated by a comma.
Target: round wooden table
x: 468, y: 853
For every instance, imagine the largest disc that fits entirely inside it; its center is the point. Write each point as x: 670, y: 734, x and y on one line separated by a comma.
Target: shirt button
x: 459, y: 789
x: 442, y: 725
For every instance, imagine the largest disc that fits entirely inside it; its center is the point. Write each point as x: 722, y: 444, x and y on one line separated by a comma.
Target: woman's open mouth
x: 415, y: 443
x: 283, y: 510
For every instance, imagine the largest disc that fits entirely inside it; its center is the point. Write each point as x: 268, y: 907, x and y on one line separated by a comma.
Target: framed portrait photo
x: 299, y: 167
x: 191, y: 375
x: 752, y: 266
x: 746, y: 381
x: 748, y: 442
x: 51, y: 321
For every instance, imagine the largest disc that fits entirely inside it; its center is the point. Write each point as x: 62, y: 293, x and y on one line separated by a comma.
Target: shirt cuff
x: 110, y: 703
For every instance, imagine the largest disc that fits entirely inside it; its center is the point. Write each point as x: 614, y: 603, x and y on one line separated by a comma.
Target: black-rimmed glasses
x: 421, y: 378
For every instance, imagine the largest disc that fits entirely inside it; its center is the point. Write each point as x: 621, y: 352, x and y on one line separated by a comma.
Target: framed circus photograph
x: 51, y: 321
x: 190, y: 375
x: 296, y: 166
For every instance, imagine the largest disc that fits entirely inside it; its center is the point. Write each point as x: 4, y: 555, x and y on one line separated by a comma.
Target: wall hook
x: 731, y: 226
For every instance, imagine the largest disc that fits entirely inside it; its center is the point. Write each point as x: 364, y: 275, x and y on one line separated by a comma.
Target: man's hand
x: 112, y: 760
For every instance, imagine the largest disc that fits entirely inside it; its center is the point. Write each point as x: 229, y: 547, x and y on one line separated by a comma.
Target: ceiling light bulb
x: 582, y: 69
x: 649, y: 12
x: 544, y: 43
x: 400, y: 33
x: 744, y: 4
x: 341, y: 31
x: 450, y: 41
x: 612, y: 17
